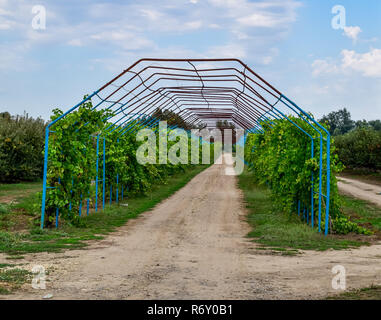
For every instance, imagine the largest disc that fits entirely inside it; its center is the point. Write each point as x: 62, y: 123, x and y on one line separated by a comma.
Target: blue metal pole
x: 320, y: 180
x: 96, y: 178
x: 45, y: 177
x: 71, y: 192
x: 312, y: 186
x: 80, y: 206
x: 328, y: 183
x: 117, y: 183
x: 57, y: 212
x: 104, y: 172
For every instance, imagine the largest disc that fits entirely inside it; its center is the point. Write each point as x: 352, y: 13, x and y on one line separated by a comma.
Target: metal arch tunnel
x: 200, y: 91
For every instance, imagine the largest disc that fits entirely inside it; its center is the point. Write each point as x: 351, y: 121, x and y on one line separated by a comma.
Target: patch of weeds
x: 12, y: 279
x: 15, y: 189
x: 4, y: 291
x: 362, y: 212
x: 4, y: 209
x: 27, y: 205
x: 371, y: 293
x: 15, y: 257
x: 273, y: 228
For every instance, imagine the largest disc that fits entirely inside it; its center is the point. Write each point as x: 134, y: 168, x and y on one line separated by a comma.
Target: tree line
x: 21, y: 145
x: 358, y: 143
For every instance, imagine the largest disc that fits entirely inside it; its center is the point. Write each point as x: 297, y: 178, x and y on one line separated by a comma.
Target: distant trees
x: 339, y: 122
x: 374, y: 124
x: 360, y: 148
x: 21, y: 145
x: 358, y: 143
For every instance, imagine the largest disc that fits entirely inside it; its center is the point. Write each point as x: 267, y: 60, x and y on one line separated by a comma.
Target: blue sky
x: 290, y: 43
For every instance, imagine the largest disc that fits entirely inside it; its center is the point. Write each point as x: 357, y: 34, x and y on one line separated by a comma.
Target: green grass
x: 17, y: 205
x: 371, y: 293
x: 27, y: 204
x: 96, y: 225
x: 12, y: 189
x: 12, y: 279
x: 4, y: 209
x: 19, y: 215
x: 278, y: 231
x: 362, y: 212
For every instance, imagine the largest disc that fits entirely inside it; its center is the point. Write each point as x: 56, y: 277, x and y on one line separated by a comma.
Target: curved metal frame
x: 223, y: 89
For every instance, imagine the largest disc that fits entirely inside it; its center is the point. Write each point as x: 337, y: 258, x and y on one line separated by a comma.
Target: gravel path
x: 193, y: 246
x: 361, y: 190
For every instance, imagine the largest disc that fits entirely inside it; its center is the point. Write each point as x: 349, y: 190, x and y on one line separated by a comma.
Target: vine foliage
x: 71, y: 175
x: 281, y: 158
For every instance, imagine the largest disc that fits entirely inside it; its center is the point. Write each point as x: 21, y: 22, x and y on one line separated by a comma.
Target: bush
x: 360, y: 148
x: 281, y: 159
x: 21, y: 145
x: 73, y: 157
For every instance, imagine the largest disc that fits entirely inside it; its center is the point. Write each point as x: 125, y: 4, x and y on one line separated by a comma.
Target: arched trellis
x: 200, y: 91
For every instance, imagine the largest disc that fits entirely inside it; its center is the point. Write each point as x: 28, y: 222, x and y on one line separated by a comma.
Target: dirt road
x: 361, y: 190
x: 193, y: 246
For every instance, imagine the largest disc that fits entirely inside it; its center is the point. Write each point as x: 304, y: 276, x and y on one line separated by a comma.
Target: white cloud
x: 139, y: 27
x: 4, y: 12
x: 151, y: 14
x: 5, y: 22
x: 5, y: 26
x: 227, y: 3
x: 192, y: 25
x: 75, y: 43
x: 368, y: 64
x: 241, y: 35
x: 259, y: 20
x: 352, y: 32
x: 227, y: 51
x: 269, y: 14
x: 214, y: 26
x: 321, y: 66
x: 267, y: 60
x: 125, y: 39
x: 11, y: 58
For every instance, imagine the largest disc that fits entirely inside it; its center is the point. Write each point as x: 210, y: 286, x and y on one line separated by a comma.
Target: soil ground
x: 194, y: 246
x: 360, y: 190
